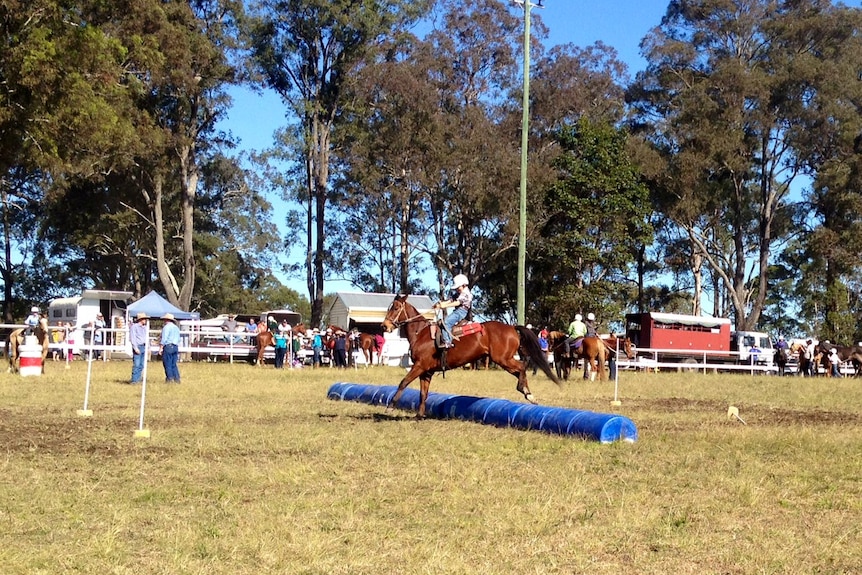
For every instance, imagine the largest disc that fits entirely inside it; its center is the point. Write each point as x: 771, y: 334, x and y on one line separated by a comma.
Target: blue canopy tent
x: 155, y: 306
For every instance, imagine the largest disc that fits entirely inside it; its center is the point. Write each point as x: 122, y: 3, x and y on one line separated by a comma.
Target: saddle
x: 459, y: 330
x: 575, y: 345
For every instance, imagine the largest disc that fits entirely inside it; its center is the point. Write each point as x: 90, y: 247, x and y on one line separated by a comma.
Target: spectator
x: 169, y: 347
x: 834, y: 363
x: 280, y: 348
x: 230, y: 326
x: 138, y: 339
x: 98, y: 335
x: 543, y: 343
x: 340, y: 350
x: 316, y: 347
x: 57, y: 338
x: 251, y: 328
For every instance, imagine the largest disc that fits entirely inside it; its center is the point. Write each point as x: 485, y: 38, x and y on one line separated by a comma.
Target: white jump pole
x: 141, y: 431
x: 616, y: 401
x: 86, y: 412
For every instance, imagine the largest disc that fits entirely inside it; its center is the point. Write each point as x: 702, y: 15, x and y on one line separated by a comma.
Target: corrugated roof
x: 361, y: 300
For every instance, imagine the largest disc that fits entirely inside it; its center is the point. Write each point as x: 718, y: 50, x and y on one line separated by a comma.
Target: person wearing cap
x: 138, y: 340
x: 169, y: 347
x: 461, y: 305
x: 782, y: 343
x: 32, y: 320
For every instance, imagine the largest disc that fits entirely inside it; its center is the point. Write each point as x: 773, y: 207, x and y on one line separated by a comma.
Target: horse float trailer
x: 671, y: 340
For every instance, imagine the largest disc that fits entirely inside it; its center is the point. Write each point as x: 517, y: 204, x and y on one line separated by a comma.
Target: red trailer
x: 677, y: 337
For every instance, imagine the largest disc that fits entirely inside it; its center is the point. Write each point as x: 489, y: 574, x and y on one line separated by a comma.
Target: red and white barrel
x: 30, y: 357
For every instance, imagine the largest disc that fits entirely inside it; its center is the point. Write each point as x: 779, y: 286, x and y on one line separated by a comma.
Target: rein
x: 403, y: 310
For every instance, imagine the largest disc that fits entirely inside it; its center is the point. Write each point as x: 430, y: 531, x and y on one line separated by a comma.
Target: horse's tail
x: 531, y: 347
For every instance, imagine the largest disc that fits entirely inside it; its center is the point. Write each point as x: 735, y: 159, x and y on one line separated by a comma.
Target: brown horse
x: 851, y: 353
x: 16, y: 339
x: 595, y: 351
x: 498, y: 340
x: 367, y: 343
x: 264, y: 339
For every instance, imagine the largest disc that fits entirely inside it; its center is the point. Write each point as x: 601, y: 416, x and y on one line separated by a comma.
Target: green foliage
x: 597, y: 222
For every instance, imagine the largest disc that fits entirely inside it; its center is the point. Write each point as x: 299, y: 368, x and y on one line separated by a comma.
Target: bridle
x: 402, y: 310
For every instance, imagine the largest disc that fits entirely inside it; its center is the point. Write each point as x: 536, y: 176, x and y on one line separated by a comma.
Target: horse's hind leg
x: 519, y: 370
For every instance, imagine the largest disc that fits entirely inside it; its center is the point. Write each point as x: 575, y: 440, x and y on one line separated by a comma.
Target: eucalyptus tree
x: 472, y: 178
x: 569, y: 84
x: 598, y: 220
x: 307, y: 51
x: 58, y: 88
x: 827, y: 137
x: 719, y: 96
x: 382, y: 206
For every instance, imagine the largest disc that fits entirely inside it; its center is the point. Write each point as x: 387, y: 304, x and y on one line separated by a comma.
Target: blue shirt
x: 138, y: 335
x: 170, y: 334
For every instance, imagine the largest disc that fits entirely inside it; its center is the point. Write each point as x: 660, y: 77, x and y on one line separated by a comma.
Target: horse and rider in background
x: 18, y: 337
x: 595, y: 351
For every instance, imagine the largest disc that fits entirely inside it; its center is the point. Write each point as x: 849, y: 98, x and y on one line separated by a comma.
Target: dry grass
x: 253, y: 471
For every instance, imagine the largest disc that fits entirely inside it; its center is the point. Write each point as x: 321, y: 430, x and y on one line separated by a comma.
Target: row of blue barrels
x: 603, y: 427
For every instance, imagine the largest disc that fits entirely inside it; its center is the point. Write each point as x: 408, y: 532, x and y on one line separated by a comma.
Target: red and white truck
x: 672, y: 338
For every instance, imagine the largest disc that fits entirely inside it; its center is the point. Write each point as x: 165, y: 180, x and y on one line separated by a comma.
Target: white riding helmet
x: 579, y: 317
x: 34, y: 309
x: 460, y: 280
x: 591, y: 316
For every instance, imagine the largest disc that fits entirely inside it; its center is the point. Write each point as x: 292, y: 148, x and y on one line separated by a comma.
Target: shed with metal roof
x: 366, y: 311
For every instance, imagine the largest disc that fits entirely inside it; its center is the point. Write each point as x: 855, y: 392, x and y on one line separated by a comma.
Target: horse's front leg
x: 424, y: 385
x: 411, y: 375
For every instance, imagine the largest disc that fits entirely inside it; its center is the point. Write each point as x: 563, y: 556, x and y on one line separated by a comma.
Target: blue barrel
x: 601, y: 427
x: 496, y: 412
x: 530, y: 417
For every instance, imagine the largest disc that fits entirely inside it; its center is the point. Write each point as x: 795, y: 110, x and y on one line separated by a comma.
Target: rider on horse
x: 576, y: 332
x: 462, y: 305
x: 32, y: 320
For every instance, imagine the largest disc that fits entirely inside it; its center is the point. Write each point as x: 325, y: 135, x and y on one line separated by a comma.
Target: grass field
x: 252, y: 471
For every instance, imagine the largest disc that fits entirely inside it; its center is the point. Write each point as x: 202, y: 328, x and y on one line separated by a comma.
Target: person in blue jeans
x: 461, y: 305
x: 169, y: 347
x: 280, y: 349
x: 138, y: 339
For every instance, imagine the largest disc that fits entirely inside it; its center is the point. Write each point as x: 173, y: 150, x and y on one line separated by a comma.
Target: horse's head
x: 399, y: 312
x: 299, y: 328
x: 626, y: 346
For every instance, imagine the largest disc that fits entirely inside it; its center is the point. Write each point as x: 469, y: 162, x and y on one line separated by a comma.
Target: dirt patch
x: 754, y: 414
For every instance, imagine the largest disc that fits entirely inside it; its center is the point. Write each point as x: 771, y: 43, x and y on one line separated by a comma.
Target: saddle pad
x: 467, y: 329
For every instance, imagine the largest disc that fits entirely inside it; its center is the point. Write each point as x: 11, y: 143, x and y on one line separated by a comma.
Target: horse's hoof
x: 529, y: 397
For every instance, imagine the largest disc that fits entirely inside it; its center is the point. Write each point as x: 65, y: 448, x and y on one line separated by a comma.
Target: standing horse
x: 367, y: 343
x: 264, y: 339
x: 16, y: 339
x: 498, y: 340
